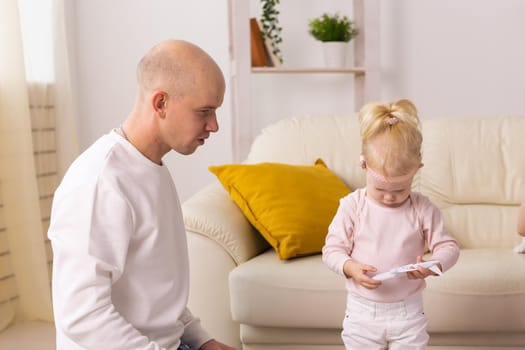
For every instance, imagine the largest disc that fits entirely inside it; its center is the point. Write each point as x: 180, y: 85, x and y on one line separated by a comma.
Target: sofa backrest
x: 473, y: 166
x: 473, y: 171
x: 301, y: 140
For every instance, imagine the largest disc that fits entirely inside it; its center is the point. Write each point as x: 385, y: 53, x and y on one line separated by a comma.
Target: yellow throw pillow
x: 290, y: 205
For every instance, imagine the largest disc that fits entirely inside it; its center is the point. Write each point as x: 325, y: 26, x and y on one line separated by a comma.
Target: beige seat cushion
x: 484, y: 291
x: 299, y: 293
x: 475, y: 295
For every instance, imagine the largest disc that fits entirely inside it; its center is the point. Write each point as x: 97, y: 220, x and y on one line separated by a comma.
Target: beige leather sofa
x: 473, y: 170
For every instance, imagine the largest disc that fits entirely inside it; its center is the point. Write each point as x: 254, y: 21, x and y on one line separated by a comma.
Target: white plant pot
x: 335, y: 54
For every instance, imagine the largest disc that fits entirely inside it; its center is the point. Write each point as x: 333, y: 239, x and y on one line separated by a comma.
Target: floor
x: 28, y: 336
x: 41, y: 336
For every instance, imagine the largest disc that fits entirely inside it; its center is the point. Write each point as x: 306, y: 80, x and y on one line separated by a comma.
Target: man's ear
x: 159, y: 102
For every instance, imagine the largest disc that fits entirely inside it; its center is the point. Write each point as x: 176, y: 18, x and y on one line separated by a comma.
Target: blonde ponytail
x: 399, y: 127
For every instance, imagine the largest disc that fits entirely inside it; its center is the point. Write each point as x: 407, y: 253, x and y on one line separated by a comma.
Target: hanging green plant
x: 270, y: 26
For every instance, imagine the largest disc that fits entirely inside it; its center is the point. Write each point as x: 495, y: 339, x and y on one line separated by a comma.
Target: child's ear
x: 362, y: 161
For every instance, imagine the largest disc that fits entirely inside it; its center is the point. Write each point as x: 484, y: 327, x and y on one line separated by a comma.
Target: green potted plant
x: 334, y: 31
x: 332, y: 28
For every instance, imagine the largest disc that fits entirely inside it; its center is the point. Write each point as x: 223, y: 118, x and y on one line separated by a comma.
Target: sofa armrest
x: 211, y: 213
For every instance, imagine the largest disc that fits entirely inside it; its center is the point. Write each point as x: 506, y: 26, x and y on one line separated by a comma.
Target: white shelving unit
x: 312, y: 70
x: 365, y: 73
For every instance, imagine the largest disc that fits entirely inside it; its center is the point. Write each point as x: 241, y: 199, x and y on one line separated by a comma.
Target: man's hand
x: 358, y: 272
x: 215, y: 345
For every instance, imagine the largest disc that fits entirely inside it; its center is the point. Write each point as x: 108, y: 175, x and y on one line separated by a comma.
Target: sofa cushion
x: 484, y: 291
x: 303, y: 293
x: 473, y: 171
x: 298, y: 293
x: 301, y: 140
x: 290, y: 205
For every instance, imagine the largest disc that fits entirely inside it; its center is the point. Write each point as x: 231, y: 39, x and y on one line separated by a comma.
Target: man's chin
x: 186, y: 151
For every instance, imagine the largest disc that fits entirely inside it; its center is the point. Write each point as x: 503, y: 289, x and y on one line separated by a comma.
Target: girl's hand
x: 358, y: 272
x: 421, y: 272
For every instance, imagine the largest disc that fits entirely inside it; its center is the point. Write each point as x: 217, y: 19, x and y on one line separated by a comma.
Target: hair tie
x: 391, y: 120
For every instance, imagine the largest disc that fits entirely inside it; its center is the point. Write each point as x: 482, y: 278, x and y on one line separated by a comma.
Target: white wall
x: 108, y: 39
x: 450, y: 57
x: 454, y: 57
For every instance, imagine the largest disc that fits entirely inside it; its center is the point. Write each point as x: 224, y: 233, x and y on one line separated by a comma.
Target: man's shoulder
x: 90, y: 164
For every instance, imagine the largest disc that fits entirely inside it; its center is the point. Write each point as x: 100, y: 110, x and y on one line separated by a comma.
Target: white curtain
x: 37, y: 143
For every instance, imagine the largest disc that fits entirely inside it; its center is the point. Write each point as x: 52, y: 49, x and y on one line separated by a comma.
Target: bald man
x: 120, y: 273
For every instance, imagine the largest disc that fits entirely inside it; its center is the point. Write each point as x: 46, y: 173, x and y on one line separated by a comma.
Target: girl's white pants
x: 370, y: 325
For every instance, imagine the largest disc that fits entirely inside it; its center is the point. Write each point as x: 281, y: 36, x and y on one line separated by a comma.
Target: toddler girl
x: 384, y: 226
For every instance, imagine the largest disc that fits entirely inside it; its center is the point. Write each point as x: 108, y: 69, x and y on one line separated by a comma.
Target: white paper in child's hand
x: 432, y: 265
x: 520, y: 248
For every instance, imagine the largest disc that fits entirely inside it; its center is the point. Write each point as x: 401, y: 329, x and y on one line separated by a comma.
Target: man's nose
x: 213, y: 124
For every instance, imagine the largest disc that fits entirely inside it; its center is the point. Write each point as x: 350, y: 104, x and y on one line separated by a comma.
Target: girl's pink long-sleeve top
x: 387, y: 238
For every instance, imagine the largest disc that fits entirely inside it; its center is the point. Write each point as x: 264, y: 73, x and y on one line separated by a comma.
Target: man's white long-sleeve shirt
x: 120, y: 273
